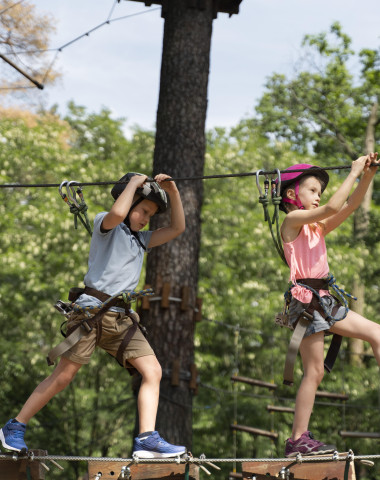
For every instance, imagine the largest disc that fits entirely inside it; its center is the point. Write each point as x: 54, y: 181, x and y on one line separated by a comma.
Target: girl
x: 303, y: 231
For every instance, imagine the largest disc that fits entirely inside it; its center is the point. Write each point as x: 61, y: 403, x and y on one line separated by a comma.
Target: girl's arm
x: 295, y: 219
x: 356, y: 198
x: 177, y: 219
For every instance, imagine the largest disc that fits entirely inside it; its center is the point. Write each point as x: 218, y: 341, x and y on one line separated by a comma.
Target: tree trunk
x: 361, y: 225
x: 179, y: 152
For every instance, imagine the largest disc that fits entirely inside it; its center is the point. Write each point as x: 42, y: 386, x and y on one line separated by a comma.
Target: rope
x: 205, y: 177
x: 314, y: 459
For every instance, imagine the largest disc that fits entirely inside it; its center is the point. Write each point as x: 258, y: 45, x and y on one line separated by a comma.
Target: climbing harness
x: 77, y: 208
x: 275, y: 184
x: 121, y: 299
x: 306, y: 317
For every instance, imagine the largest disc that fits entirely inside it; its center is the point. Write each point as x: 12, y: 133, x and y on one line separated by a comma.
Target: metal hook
x: 63, y: 184
x: 71, y: 193
x: 278, y: 189
x: 258, y: 182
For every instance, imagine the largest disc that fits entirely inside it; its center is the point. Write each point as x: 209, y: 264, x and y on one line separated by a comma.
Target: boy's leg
x: 356, y: 326
x: 147, y: 402
x: 12, y: 434
x: 60, y: 378
x: 149, y: 443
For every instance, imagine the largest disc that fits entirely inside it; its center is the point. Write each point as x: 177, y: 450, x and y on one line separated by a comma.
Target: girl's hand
x: 168, y: 186
x: 358, y: 165
x: 372, y: 158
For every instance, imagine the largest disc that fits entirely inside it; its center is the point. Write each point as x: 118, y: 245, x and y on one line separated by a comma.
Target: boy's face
x: 141, y: 214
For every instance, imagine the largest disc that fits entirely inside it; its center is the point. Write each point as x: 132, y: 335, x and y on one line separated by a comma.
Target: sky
x: 118, y: 65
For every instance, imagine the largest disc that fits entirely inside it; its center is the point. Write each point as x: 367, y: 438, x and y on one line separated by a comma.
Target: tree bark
x: 361, y: 225
x: 179, y: 152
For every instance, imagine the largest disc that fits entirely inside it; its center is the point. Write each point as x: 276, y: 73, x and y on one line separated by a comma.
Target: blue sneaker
x: 12, y: 436
x: 156, y: 447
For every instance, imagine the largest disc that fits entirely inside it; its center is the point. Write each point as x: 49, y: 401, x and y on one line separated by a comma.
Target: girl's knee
x: 153, y: 373
x: 315, y: 374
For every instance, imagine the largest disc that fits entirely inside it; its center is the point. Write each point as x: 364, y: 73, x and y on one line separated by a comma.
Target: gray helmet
x: 149, y: 191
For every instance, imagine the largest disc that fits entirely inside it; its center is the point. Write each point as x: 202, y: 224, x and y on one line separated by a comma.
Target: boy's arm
x: 177, y: 222
x: 356, y: 198
x: 123, y: 204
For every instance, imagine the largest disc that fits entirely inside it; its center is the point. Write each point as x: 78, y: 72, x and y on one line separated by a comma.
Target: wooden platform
x: 289, y: 469
x: 23, y: 469
x: 163, y: 471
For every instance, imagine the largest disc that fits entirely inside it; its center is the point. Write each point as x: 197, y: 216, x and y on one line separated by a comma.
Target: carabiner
x: 258, y: 183
x: 71, y: 193
x: 278, y: 187
x: 63, y: 195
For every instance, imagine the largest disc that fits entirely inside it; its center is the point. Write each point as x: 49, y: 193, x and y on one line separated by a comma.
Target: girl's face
x: 141, y: 214
x: 310, y: 192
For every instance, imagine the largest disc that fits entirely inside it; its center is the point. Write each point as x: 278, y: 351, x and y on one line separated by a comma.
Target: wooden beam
x: 23, y: 469
x: 253, y: 381
x: 344, y: 434
x: 275, y: 408
x: 255, y: 431
x: 298, y: 471
x: 335, y: 396
x: 223, y: 6
x: 111, y: 470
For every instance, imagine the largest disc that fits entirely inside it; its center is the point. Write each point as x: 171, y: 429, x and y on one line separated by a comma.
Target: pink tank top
x: 307, y: 258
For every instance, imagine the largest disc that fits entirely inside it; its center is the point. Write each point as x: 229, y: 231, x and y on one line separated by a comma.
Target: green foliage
x: 42, y: 257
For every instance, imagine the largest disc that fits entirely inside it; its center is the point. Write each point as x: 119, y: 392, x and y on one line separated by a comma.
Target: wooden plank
x: 152, y: 471
x: 298, y: 471
x: 255, y: 431
x: 253, y: 381
x: 23, y: 469
x: 344, y: 434
x: 275, y: 408
x: 335, y: 396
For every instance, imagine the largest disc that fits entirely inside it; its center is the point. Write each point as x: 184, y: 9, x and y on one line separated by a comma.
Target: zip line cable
x: 59, y: 49
x: 205, y: 177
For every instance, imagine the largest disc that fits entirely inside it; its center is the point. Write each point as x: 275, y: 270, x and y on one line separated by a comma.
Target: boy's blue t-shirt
x: 115, y: 260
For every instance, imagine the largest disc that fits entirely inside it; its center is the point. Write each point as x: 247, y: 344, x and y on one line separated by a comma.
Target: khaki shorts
x: 114, y: 328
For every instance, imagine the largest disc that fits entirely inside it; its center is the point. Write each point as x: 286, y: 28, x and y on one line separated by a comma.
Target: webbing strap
x: 294, y: 345
x: 66, y: 344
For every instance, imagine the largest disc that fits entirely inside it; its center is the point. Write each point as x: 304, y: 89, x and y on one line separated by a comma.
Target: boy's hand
x: 359, y: 164
x: 138, y: 180
x: 169, y: 187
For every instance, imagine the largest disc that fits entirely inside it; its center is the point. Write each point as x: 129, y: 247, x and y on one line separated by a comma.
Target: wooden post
x: 298, y: 471
x: 23, y: 469
x: 157, y: 471
x: 145, y: 300
x: 165, y: 295
x: 198, y: 312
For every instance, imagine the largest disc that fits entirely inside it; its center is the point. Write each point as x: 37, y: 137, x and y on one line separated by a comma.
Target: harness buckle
x: 63, y: 308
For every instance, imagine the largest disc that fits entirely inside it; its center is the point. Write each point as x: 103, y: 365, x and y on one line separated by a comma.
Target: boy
x: 115, y: 263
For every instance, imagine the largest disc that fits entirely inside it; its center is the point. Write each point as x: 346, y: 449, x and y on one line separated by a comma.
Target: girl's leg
x: 356, y: 326
x: 56, y: 382
x: 311, y: 350
x: 147, y: 401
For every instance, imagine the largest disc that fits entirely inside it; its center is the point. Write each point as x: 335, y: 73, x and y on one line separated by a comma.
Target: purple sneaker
x: 307, y: 445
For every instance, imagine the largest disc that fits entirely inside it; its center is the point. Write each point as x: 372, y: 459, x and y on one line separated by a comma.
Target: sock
x: 143, y: 436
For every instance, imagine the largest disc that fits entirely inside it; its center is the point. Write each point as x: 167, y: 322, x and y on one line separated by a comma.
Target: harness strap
x: 314, y: 284
x: 79, y: 331
x: 298, y: 334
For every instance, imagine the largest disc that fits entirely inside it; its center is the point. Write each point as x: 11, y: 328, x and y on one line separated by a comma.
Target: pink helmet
x: 290, y: 177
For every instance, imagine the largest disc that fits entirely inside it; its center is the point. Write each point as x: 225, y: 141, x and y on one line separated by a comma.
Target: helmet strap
x: 297, y: 201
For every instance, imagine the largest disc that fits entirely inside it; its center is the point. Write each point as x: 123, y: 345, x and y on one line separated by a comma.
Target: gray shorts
x: 319, y: 324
